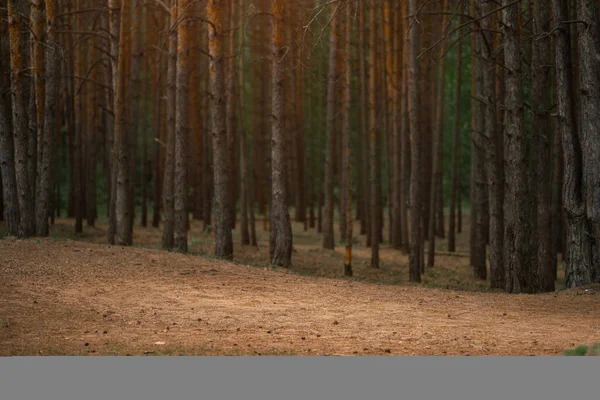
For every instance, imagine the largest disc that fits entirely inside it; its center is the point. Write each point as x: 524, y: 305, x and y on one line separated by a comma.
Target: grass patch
x: 583, y: 350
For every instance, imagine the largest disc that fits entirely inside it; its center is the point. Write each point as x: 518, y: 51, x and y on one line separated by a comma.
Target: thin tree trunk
x: 168, y: 238
x: 416, y: 243
x: 454, y: 186
x: 332, y: 78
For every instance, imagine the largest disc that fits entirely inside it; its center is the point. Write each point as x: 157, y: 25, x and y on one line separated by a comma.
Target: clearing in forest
x: 62, y: 297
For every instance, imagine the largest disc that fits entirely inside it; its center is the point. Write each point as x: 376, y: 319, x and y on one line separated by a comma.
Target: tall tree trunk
x: 282, y: 252
x: 493, y: 159
x: 345, y: 33
x: 222, y: 187
x: 479, y: 198
x: 454, y: 186
x: 437, y: 149
x: 19, y: 122
x: 331, y: 131
x: 578, y: 259
x: 541, y: 151
x: 168, y: 238
x: 115, y: 32
x: 589, y: 90
x: 121, y: 153
x: 182, y: 126
x: 416, y: 243
x: 50, y: 130
x: 518, y: 257
x: 373, y: 138
x: 7, y: 159
x: 39, y: 76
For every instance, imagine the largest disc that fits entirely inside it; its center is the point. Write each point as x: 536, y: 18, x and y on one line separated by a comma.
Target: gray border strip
x: 264, y: 378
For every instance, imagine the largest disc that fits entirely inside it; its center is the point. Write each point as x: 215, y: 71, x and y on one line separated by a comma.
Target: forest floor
x: 74, y: 295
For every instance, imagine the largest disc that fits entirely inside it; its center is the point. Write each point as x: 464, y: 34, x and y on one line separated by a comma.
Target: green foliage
x: 583, y: 350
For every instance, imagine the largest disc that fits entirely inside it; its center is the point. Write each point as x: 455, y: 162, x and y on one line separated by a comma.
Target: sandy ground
x: 61, y: 297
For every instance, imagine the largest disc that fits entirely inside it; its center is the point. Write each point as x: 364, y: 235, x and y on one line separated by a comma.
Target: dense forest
x: 380, y: 118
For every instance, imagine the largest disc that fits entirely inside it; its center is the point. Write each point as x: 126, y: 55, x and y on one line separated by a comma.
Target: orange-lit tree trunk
x: 222, y: 187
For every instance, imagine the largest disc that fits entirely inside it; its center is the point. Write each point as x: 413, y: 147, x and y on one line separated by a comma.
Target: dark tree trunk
x: 589, y: 90
x: 7, y: 160
x: 493, y: 157
x: 19, y: 123
x: 49, y: 148
x: 519, y: 257
x: 541, y: 150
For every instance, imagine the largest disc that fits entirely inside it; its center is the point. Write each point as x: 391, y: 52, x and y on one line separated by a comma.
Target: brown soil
x: 63, y: 297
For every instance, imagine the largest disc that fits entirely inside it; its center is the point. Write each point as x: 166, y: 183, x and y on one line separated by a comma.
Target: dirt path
x: 64, y: 297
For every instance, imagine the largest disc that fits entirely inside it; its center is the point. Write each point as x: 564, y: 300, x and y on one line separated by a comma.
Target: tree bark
x: 7, y: 160
x: 223, y: 237
x: 541, y: 150
x: 282, y: 251
x: 19, y: 123
x: 182, y: 127
x: 518, y: 255
x: 50, y: 131
x: 456, y: 144
x: 121, y: 153
x: 332, y: 87
x: 416, y: 238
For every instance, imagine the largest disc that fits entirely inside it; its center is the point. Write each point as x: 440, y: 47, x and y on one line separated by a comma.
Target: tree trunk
x: 121, y: 153
x: 541, y: 150
x: 50, y: 131
x: 493, y: 156
x: 7, y: 160
x: 416, y: 243
x: 456, y: 145
x: 222, y: 187
x: 479, y: 199
x: 182, y: 127
x: 518, y: 257
x: 332, y: 88
x: 115, y: 32
x: 282, y: 251
x: 19, y: 123
x: 346, y: 188
x: 589, y: 89
x: 373, y: 138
